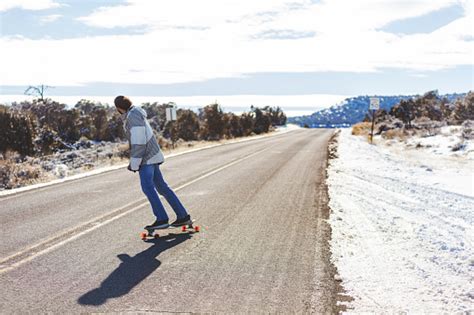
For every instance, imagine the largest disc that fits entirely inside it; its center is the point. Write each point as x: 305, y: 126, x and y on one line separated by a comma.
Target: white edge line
x: 101, y: 170
x: 66, y: 231
x: 75, y: 236
x: 52, y: 247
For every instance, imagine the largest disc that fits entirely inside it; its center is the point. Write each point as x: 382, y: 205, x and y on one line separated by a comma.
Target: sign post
x: 373, y: 106
x: 170, y: 118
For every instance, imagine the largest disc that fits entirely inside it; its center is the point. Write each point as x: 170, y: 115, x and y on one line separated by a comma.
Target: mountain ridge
x: 353, y: 110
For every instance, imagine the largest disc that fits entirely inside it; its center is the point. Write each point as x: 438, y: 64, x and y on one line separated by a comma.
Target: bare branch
x: 38, y: 90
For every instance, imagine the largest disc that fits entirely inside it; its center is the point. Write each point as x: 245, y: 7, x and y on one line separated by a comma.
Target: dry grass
x: 397, y: 133
x: 13, y: 175
x: 361, y: 129
x: 123, y: 151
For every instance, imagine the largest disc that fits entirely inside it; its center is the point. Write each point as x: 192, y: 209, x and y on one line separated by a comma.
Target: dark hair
x: 122, y: 102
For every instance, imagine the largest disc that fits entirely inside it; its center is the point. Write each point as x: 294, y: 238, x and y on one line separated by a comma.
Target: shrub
x: 464, y: 109
x: 13, y: 175
x: 467, y: 131
x: 398, y: 133
x: 187, y: 125
x: 262, y: 120
x: 361, y: 129
x: 213, y: 122
x: 17, y: 132
x: 123, y: 151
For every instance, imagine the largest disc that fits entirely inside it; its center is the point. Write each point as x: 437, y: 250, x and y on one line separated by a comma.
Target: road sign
x: 374, y: 103
x: 373, y: 106
x: 171, y: 113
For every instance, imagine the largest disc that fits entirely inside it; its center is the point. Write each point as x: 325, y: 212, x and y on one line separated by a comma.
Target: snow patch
x: 60, y: 170
x: 449, y: 142
x: 403, y: 225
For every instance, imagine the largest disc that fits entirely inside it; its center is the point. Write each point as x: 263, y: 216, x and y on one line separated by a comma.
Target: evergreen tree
x: 16, y: 132
x: 405, y: 111
x: 187, y: 125
x: 156, y: 115
x: 212, y: 117
x: 247, y: 121
x: 235, y: 128
x: 464, y: 108
x: 114, y: 129
x: 262, y: 120
x: 99, y: 116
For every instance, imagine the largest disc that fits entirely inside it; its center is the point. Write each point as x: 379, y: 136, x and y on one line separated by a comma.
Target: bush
x: 187, y: 125
x: 361, y: 129
x: 213, y: 122
x: 123, y: 151
x: 43, y: 127
x: 467, y: 131
x: 262, y: 120
x: 17, y: 132
x: 427, y: 126
x: 399, y: 133
x: 423, y: 116
x: 458, y: 146
x: 464, y: 109
x: 405, y: 111
x: 13, y: 175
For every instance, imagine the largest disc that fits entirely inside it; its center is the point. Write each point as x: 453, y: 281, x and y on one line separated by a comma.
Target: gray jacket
x: 144, y: 149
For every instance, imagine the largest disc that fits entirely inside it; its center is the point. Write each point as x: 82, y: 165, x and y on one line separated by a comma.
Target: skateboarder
x: 146, y: 157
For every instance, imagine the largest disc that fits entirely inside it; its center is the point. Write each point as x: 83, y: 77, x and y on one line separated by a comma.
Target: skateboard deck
x: 151, y: 233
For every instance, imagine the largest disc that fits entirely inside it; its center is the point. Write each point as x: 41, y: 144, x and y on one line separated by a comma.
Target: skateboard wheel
x: 143, y: 235
x: 183, y: 228
x: 197, y: 228
x: 156, y: 236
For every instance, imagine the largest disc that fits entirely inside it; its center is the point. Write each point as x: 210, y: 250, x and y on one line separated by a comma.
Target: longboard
x: 151, y: 232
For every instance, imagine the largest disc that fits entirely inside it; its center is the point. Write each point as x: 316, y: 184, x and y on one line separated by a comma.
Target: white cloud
x: 190, y: 40
x: 28, y: 4
x: 50, y: 18
x: 203, y: 13
x: 323, y: 16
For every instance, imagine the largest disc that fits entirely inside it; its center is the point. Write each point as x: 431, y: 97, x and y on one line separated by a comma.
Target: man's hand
x: 130, y: 169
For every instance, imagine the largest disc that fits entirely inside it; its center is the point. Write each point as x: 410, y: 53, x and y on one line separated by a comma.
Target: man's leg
x: 146, y: 180
x: 169, y: 195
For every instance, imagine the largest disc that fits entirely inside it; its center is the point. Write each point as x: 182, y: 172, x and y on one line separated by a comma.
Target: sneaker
x: 158, y: 224
x: 182, y: 221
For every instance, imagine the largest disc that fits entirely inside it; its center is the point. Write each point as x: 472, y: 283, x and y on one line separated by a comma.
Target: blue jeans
x: 151, y: 178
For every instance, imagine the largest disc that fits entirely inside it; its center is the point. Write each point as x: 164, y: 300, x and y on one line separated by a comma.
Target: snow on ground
x: 403, y: 225
x: 448, y: 142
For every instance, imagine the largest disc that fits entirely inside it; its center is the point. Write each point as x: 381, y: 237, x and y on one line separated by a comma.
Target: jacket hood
x: 139, y: 110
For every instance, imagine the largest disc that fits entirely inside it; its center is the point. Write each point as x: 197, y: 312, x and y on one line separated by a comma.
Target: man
x: 146, y: 157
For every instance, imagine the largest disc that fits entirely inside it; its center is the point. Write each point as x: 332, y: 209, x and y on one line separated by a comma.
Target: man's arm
x: 138, y: 140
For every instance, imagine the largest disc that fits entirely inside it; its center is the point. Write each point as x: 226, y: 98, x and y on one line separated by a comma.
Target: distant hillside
x: 352, y: 110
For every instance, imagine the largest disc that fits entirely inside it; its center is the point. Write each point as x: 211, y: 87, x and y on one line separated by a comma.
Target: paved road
x: 74, y: 247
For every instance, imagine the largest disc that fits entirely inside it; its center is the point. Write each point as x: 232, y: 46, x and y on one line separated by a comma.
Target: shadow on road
x: 132, y: 270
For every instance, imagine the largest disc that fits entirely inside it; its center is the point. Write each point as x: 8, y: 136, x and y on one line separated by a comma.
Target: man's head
x: 122, y: 103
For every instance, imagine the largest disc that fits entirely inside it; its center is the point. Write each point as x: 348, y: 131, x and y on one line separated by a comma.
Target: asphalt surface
x: 262, y: 204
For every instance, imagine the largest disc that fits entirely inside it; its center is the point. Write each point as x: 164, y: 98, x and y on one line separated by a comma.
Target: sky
x: 272, y: 48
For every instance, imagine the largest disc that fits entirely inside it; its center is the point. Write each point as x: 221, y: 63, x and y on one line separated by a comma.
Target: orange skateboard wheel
x: 197, y: 228
x: 143, y: 235
x: 183, y: 228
